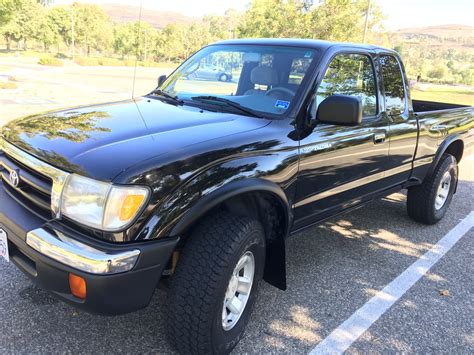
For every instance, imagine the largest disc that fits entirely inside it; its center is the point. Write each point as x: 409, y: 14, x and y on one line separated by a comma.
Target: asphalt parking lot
x: 333, y: 269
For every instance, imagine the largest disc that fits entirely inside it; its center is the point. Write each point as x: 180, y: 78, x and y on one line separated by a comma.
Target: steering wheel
x: 280, y: 89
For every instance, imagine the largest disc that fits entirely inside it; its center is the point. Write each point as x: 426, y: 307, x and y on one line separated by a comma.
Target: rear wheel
x: 428, y: 202
x: 215, y: 284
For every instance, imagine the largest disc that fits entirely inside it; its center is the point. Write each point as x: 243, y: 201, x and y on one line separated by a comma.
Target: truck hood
x: 104, y: 140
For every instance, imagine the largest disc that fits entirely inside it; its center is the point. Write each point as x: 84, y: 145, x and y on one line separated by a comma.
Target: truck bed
x: 427, y: 106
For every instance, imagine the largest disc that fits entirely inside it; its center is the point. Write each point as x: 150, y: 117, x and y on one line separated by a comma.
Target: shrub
x: 111, y: 62
x: 7, y: 85
x: 438, y: 72
x: 54, y: 62
x: 129, y: 62
x: 87, y: 62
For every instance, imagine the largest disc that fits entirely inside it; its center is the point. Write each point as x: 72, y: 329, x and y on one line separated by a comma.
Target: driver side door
x: 342, y: 166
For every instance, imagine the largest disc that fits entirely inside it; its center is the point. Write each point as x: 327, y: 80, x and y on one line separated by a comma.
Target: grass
x: 461, y: 95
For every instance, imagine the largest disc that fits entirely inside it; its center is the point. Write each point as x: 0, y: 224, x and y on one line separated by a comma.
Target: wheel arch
x: 452, y: 145
x: 251, y: 195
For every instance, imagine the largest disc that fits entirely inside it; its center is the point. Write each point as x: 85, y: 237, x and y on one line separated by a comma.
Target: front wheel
x: 428, y: 202
x: 215, y: 284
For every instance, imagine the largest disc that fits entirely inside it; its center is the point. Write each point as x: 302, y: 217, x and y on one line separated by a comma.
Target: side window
x: 393, y: 83
x: 351, y: 74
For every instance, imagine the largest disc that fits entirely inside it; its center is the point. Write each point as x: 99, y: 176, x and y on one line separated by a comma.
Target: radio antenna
x: 137, y: 54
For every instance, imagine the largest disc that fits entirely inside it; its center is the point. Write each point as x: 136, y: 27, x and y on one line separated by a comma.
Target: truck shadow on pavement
x: 333, y: 269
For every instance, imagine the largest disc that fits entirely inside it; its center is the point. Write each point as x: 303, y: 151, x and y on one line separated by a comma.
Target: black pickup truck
x: 201, y: 181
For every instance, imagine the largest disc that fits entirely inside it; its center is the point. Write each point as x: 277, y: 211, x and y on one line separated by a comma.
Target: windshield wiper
x: 167, y: 96
x: 230, y: 103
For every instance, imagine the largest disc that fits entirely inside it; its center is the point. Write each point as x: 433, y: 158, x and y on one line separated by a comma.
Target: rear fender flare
x: 441, y: 150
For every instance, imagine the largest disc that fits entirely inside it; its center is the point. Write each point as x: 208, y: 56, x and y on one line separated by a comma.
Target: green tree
x: 343, y: 20
x: 7, y: 10
x: 170, y: 42
x: 337, y: 20
x: 196, y: 36
x: 146, y: 36
x: 135, y: 38
x: 60, y: 18
x: 92, y: 27
x: 47, y: 33
x: 24, y: 24
x: 221, y: 27
x: 125, y: 39
x: 276, y: 18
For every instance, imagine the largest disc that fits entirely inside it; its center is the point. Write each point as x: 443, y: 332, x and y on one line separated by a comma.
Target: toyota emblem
x: 14, y: 178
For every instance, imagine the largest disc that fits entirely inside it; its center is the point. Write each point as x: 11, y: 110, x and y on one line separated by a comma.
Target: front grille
x: 32, y: 186
x: 36, y: 184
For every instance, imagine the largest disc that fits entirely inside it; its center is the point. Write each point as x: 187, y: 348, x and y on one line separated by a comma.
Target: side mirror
x: 341, y: 110
x: 161, y: 80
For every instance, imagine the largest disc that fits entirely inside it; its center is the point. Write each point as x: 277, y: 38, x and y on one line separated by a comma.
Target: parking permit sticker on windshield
x: 282, y: 104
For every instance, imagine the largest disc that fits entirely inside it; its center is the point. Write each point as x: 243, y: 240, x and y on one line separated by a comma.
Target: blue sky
x: 400, y: 13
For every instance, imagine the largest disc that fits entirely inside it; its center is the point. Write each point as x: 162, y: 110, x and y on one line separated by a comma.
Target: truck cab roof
x: 305, y: 43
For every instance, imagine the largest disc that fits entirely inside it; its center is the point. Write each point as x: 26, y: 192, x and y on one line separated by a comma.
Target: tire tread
x: 194, y: 287
x: 420, y: 199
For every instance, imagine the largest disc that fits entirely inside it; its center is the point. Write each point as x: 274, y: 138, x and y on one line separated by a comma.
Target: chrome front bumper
x: 80, y: 256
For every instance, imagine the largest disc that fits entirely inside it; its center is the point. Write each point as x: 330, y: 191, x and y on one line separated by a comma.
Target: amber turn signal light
x: 130, y: 206
x: 78, y: 286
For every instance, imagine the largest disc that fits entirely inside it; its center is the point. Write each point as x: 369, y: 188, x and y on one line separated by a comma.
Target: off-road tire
x: 421, y: 198
x: 198, y: 286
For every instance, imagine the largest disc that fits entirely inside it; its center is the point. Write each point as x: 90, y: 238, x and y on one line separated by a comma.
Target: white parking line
x: 349, y: 331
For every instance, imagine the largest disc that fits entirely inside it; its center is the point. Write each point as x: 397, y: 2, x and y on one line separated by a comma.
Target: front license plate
x: 4, y: 245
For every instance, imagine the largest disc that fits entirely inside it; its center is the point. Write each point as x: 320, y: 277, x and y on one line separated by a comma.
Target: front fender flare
x: 275, y: 262
x: 205, y: 203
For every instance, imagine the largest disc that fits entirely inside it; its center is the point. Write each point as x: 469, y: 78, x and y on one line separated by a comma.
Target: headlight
x: 101, y: 205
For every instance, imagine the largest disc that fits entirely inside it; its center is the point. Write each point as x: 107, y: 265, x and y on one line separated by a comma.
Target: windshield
x: 251, y: 78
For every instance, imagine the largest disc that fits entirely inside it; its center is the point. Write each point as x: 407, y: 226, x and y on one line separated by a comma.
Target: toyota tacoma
x: 201, y: 181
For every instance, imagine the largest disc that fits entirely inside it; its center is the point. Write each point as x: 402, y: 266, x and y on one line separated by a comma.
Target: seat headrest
x: 264, y: 76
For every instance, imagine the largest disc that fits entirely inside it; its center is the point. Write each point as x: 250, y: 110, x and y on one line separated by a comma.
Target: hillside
x: 443, y: 34
x: 159, y: 19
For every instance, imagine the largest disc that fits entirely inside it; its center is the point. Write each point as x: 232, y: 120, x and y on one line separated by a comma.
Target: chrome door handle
x: 379, y: 138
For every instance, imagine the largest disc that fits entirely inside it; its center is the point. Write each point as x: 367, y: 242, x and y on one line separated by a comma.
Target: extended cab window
x: 395, y: 102
x: 351, y: 74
